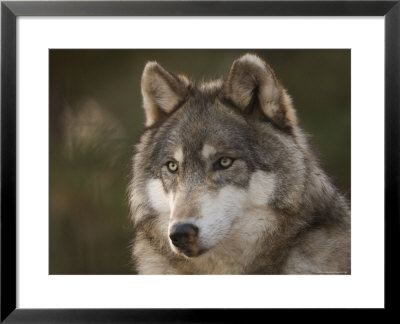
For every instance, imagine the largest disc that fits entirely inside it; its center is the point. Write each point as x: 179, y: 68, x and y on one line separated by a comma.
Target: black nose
x: 184, y: 234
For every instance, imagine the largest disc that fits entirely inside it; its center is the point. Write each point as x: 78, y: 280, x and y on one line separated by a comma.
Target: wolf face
x: 221, y: 166
x: 211, y: 162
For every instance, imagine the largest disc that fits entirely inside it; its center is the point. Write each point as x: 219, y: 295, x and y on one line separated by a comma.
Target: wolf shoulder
x: 324, y: 248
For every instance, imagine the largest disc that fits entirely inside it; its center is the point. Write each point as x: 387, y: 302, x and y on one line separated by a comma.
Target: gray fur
x: 304, y: 227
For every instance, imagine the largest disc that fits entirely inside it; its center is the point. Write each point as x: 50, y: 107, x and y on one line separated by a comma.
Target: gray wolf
x: 225, y: 182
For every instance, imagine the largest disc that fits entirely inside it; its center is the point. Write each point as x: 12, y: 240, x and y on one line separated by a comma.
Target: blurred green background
x: 96, y: 118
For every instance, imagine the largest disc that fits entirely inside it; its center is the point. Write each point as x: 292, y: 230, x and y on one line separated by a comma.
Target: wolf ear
x: 251, y: 81
x: 162, y: 92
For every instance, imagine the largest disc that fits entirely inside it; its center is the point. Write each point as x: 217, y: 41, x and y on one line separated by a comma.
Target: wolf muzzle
x: 184, y: 237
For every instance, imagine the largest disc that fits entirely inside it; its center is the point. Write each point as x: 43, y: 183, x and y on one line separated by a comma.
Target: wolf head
x: 216, y: 157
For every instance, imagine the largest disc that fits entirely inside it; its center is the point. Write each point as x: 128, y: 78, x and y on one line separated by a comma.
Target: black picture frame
x: 10, y: 10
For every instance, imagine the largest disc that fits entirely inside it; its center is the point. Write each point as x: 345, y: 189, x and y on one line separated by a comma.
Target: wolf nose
x: 183, y: 234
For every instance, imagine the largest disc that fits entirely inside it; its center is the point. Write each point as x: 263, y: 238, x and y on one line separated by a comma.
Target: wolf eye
x: 225, y: 162
x: 172, y: 166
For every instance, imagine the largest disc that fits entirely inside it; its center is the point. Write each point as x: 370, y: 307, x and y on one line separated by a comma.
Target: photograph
x: 245, y: 150
x: 199, y: 161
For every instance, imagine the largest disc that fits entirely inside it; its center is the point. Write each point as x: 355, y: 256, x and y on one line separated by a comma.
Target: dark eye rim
x: 219, y: 166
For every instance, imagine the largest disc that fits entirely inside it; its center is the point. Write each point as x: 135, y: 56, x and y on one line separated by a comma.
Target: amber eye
x: 172, y: 166
x: 225, y: 162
